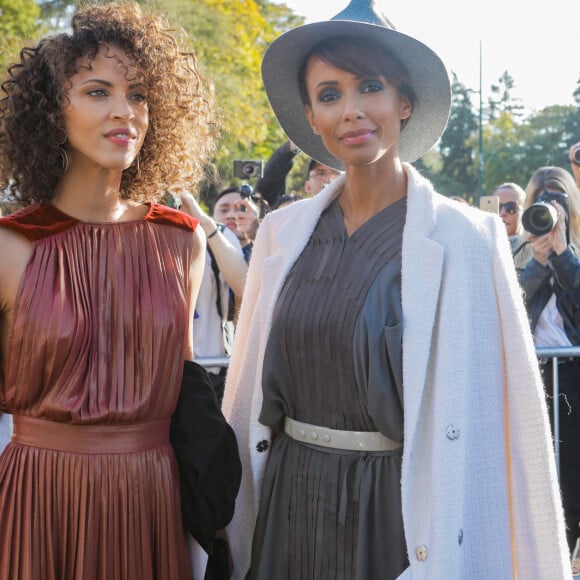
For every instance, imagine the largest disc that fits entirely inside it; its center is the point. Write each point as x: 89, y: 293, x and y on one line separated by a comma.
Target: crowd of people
x: 391, y: 414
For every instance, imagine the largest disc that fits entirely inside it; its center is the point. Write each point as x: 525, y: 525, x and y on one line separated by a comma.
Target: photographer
x: 551, y: 283
x: 511, y: 204
x: 241, y: 210
x: 250, y: 211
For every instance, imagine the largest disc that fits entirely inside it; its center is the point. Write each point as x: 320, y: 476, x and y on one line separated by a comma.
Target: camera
x: 248, y: 169
x: 541, y: 217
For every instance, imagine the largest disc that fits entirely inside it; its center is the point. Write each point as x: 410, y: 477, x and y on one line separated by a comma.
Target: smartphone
x: 489, y: 203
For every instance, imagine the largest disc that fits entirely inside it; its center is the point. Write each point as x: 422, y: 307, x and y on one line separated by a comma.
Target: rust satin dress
x: 88, y: 485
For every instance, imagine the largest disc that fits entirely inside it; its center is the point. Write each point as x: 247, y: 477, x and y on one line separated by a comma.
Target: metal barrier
x: 543, y: 352
x: 555, y: 353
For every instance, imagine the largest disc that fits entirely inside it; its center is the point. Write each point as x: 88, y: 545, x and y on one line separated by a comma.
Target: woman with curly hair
x: 97, y: 289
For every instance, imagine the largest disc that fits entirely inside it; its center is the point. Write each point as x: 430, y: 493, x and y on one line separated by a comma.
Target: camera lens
x: 577, y: 155
x: 249, y: 169
x: 539, y: 219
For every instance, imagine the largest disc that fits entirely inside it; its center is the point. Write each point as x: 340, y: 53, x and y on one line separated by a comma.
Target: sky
x: 537, y: 43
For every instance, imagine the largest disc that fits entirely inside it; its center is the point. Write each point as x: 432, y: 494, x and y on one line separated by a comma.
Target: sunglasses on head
x: 510, y: 207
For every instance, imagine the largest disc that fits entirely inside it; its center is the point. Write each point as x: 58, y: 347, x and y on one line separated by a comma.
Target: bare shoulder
x: 14, y: 256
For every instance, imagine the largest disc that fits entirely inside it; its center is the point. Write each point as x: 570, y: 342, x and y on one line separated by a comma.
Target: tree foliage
x: 230, y: 37
x: 18, y: 22
x: 456, y: 147
x: 502, y: 100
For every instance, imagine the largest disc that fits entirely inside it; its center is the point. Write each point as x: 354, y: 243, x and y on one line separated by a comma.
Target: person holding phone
x: 511, y: 206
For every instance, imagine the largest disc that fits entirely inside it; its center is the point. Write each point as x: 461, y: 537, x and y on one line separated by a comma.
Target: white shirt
x: 212, y: 335
x: 550, y: 328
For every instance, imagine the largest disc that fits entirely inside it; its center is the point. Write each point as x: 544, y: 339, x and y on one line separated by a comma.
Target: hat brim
x: 429, y: 78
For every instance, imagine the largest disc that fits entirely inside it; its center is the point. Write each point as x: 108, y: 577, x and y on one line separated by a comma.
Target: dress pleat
x: 97, y: 340
x: 326, y: 513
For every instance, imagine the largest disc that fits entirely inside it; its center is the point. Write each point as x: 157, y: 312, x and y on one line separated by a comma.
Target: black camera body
x: 541, y: 217
x: 248, y: 169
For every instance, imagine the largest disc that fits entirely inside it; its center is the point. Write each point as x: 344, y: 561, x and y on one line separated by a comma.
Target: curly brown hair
x: 180, y: 140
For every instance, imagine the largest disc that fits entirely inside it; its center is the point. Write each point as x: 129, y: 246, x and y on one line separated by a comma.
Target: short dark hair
x: 286, y: 198
x: 312, y: 164
x: 359, y: 56
x: 222, y: 193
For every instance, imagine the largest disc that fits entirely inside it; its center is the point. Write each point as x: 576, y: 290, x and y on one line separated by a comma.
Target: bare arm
x: 16, y: 251
x: 195, y: 275
x: 230, y: 261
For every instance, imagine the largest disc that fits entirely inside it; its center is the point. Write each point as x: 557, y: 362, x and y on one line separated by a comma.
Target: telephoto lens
x: 540, y: 218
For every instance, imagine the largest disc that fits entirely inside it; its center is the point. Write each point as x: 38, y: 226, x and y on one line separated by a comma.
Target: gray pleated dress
x: 334, y: 359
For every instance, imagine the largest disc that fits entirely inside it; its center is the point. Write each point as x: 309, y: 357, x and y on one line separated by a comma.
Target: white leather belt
x: 337, y: 439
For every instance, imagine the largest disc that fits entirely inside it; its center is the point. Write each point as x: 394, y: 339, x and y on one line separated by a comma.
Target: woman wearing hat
x: 383, y: 433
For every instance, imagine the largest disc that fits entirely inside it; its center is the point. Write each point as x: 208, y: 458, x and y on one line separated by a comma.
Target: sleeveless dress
x: 333, y: 359
x: 88, y: 485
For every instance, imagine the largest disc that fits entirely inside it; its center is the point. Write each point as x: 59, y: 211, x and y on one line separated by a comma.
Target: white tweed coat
x: 479, y: 485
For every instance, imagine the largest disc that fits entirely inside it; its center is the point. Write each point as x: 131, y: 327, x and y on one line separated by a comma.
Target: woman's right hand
x: 553, y: 241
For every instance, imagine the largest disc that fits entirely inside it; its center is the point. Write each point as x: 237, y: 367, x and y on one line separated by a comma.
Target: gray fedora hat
x: 429, y: 78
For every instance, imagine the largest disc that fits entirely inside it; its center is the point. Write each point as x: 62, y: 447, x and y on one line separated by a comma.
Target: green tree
x: 514, y: 150
x: 503, y: 101
x: 18, y: 23
x: 458, y: 173
x: 576, y: 93
x: 503, y: 152
x: 551, y: 132
x: 229, y: 39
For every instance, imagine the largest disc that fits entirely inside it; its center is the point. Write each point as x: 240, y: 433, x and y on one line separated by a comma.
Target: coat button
x: 314, y: 436
x: 452, y: 432
x: 421, y: 553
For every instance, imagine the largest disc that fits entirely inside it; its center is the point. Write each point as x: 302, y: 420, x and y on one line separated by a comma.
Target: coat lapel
x: 422, y: 267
